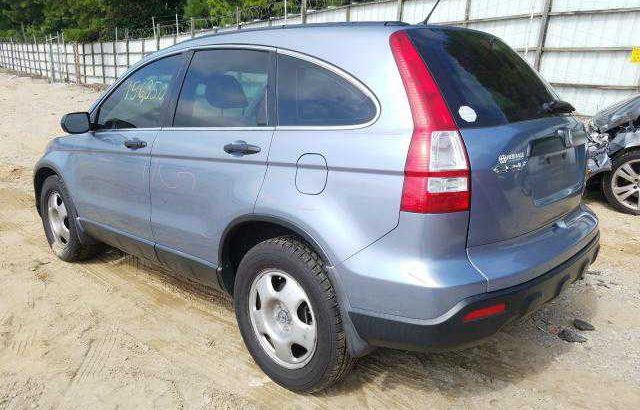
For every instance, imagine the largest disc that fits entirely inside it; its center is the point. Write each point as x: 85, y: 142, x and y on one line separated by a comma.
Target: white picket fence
x: 582, y: 47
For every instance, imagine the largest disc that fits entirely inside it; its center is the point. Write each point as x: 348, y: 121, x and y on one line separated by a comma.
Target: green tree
x: 137, y: 14
x: 16, y: 15
x: 196, y: 8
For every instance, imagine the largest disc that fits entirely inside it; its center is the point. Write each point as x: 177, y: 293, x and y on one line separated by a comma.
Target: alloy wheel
x: 625, y: 184
x: 58, y: 219
x: 282, y: 318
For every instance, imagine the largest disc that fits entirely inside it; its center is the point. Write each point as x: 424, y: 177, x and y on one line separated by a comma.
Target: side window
x: 138, y: 100
x: 312, y: 95
x: 224, y: 88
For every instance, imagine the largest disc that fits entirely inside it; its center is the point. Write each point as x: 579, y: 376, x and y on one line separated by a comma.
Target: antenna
x: 431, y: 12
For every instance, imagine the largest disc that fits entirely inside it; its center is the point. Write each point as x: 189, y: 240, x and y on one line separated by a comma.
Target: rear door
x: 527, y: 163
x: 208, y: 167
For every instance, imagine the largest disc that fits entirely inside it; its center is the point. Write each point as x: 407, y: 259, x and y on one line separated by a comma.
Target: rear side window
x: 484, y: 82
x: 310, y: 95
x: 224, y: 88
x: 139, y: 100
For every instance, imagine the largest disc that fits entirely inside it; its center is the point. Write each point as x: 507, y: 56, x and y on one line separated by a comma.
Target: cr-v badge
x: 511, y: 162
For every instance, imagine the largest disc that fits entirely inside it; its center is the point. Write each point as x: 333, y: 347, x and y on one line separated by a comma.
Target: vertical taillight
x: 436, y: 174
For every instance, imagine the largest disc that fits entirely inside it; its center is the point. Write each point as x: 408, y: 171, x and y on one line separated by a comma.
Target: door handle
x: 241, y: 148
x: 135, y: 143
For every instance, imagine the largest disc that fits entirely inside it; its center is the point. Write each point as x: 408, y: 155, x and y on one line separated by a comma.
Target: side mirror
x: 76, y: 123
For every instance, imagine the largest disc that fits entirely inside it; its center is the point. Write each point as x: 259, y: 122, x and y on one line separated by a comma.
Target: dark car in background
x: 614, y: 153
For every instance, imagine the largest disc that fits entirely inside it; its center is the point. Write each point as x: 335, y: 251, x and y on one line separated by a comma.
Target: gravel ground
x: 115, y: 332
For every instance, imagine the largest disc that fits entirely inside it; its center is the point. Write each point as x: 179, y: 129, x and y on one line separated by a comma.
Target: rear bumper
x: 450, y: 331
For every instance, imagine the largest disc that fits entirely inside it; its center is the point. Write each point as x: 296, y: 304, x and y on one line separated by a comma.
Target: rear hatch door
x: 527, y: 160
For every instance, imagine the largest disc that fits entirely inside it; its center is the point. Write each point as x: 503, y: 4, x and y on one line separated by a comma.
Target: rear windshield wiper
x: 557, y: 107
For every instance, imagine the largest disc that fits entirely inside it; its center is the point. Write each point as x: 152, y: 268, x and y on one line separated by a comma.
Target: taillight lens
x: 437, y: 169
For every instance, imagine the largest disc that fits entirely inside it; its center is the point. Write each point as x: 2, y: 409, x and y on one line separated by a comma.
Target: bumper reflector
x: 485, y: 312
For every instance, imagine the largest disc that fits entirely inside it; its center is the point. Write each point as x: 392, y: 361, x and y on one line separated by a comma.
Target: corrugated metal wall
x: 587, y: 47
x: 585, y: 53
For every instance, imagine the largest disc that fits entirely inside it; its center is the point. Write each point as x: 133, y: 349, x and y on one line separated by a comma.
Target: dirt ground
x: 115, y: 332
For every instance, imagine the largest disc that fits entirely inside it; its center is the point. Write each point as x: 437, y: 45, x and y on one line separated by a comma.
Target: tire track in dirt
x: 96, y: 358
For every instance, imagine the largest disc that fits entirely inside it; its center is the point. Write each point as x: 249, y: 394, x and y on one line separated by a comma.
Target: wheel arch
x: 356, y: 345
x: 41, y: 173
x: 262, y: 227
x: 625, y: 150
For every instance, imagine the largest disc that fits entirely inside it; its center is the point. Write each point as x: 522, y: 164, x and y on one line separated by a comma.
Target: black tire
x: 331, y: 360
x: 73, y: 250
x: 607, y: 181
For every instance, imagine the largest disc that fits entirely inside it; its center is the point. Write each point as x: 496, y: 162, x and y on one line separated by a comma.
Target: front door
x: 111, y: 171
x: 208, y: 168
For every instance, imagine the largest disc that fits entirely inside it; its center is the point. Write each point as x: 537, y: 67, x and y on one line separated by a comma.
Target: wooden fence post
x: 29, y: 52
x: 467, y: 11
x: 25, y: 57
x: 193, y: 29
x: 11, y: 51
x: 126, y: 48
x: 303, y: 11
x: 66, y: 59
x: 20, y: 61
x: 399, y: 4
x: 37, y: 58
x: 347, y: 15
x: 93, y: 61
x: 84, y: 63
x: 158, y: 38
x: 76, y: 63
x: 17, y: 53
x: 104, y: 78
x: 53, y: 70
x: 59, y: 58
x: 115, y: 56
x: 26, y: 47
x: 26, y: 61
x: 44, y: 56
x: 19, y: 56
x: 175, y: 38
x: 542, y: 33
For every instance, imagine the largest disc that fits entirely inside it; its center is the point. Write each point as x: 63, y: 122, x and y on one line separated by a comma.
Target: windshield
x: 484, y: 82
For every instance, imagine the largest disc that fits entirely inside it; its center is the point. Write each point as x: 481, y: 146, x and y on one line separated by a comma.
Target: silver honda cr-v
x: 351, y: 185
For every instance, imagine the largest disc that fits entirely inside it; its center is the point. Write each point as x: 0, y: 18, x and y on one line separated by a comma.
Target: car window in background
x: 138, y: 101
x: 484, y: 82
x: 311, y: 95
x: 224, y: 88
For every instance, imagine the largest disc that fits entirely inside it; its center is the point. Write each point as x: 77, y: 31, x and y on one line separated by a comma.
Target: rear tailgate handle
x: 559, y: 141
x: 566, y: 137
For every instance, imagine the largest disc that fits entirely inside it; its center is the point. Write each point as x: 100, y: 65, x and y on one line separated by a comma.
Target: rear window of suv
x: 309, y: 95
x: 484, y: 82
